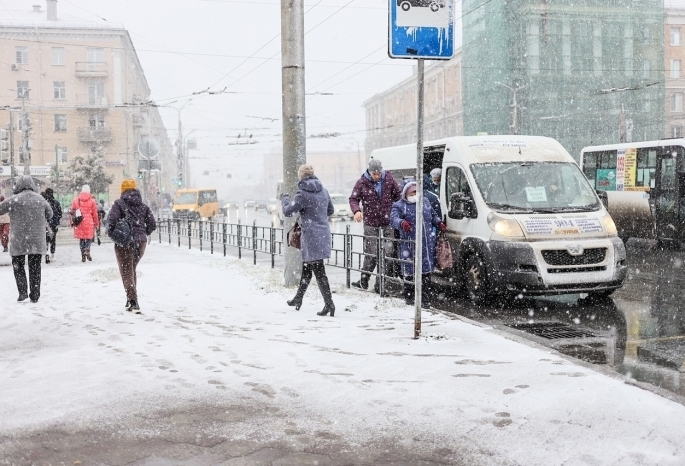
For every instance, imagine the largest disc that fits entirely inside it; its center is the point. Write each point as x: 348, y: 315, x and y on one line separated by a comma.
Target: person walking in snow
x: 403, y: 218
x: 49, y: 196
x: 85, y: 208
x: 4, y: 229
x: 313, y: 203
x: 375, y: 192
x: 29, y: 214
x: 130, y: 206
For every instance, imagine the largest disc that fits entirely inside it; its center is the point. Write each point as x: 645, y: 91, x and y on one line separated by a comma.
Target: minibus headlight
x: 504, y: 226
x: 609, y: 225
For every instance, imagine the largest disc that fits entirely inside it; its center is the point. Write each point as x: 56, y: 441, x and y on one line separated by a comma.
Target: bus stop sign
x: 421, y: 29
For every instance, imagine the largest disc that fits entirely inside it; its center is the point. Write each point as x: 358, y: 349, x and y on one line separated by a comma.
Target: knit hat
x: 375, y: 166
x: 127, y: 185
x: 85, y: 189
x: 304, y: 171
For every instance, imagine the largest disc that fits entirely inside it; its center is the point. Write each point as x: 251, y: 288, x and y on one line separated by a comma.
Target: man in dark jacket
x: 375, y: 192
x: 49, y: 196
x: 130, y: 205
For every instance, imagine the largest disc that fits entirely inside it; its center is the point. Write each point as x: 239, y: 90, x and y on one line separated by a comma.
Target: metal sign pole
x: 418, y: 244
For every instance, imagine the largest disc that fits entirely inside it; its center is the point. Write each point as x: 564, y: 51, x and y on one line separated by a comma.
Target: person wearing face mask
x: 403, y: 218
x: 376, y: 191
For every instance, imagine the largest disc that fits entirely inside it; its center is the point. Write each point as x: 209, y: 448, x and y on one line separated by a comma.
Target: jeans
x: 128, y: 259
x: 84, y: 244
x: 19, y: 264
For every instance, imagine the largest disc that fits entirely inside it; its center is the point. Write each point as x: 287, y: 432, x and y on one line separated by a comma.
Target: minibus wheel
x: 476, y: 279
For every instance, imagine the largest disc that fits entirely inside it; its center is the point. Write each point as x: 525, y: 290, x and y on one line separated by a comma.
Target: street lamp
x: 514, y: 106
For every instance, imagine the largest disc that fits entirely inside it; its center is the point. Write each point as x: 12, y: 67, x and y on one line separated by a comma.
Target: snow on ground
x: 219, y: 328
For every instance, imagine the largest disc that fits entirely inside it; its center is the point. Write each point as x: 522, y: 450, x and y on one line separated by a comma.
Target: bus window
x: 646, y: 167
x: 607, y: 159
x: 590, y: 166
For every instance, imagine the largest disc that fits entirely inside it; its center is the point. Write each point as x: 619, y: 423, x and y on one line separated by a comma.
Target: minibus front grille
x: 577, y: 270
x: 562, y: 257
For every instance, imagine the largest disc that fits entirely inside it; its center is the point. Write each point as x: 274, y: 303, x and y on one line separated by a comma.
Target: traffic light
x: 140, y: 175
x: 4, y: 146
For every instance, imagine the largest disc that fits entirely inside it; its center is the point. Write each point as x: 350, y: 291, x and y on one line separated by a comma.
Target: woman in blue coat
x: 403, y: 218
x: 314, y: 206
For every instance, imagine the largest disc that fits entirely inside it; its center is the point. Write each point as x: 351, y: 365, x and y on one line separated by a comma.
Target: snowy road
x: 218, y: 368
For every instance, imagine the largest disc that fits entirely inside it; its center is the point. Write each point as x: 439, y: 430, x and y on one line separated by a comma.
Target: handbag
x: 443, y: 253
x: 122, y: 233
x: 77, y: 216
x: 295, y: 236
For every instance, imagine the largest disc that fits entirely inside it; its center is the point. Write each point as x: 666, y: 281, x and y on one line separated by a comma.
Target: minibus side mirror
x: 461, y: 206
x: 604, y: 197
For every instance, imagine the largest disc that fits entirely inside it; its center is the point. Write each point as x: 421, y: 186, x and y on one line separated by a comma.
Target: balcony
x: 90, y: 135
x: 86, y: 69
x: 92, y: 102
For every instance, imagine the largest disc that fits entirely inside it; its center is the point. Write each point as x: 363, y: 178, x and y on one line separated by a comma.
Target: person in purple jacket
x: 371, y: 201
x: 131, y: 206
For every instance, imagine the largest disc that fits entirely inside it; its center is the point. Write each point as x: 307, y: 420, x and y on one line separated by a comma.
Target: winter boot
x: 88, y: 255
x: 83, y: 257
x: 296, y: 302
x: 128, y: 305
x: 325, y: 289
x: 22, y: 297
x: 47, y: 258
x: 363, y: 283
x: 4, y: 249
x: 135, y: 308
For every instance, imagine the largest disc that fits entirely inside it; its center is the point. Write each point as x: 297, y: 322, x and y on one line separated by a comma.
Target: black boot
x: 296, y: 302
x: 363, y: 283
x: 325, y: 289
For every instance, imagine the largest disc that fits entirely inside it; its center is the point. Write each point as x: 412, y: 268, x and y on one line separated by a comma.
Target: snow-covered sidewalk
x: 217, y: 329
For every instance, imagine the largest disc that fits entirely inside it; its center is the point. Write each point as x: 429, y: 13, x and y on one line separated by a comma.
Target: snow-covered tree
x: 89, y: 170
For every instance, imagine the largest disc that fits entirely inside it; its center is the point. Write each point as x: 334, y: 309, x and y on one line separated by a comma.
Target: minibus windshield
x: 534, y: 187
x: 186, y: 198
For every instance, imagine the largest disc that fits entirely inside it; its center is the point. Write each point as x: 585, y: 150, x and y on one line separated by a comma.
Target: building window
x: 59, y: 90
x: 96, y: 55
x: 676, y: 131
x: 22, y: 55
x: 675, y: 36
x: 676, y: 102
x: 96, y: 121
x: 60, y: 123
x: 96, y: 92
x: 646, y: 69
x: 675, y: 69
x: 62, y: 156
x: 58, y: 56
x: 22, y: 89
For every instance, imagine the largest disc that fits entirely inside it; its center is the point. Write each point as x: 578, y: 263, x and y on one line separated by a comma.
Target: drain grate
x: 553, y: 330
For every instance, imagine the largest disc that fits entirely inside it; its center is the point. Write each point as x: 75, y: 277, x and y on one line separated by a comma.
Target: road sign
x: 421, y: 29
x: 148, y: 147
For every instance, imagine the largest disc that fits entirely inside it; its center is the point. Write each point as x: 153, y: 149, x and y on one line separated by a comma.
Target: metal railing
x: 347, y: 249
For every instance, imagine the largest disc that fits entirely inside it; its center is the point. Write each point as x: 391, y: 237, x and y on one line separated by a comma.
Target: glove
x: 442, y: 227
x: 406, y: 226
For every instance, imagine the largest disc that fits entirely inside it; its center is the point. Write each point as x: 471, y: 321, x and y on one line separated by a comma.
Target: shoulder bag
x: 77, y: 216
x: 295, y: 236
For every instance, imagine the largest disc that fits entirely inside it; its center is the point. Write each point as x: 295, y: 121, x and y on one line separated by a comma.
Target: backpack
x: 122, y: 233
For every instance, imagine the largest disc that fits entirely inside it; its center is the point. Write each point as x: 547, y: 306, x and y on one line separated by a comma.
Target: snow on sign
x: 421, y: 29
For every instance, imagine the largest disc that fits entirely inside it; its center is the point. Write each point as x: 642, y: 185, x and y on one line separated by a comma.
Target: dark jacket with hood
x: 29, y: 215
x: 314, y: 205
x: 131, y: 205
x: 376, y: 208
x: 56, y: 210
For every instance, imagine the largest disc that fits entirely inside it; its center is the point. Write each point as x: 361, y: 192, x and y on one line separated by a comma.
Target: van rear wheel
x: 405, y: 6
x: 476, y: 280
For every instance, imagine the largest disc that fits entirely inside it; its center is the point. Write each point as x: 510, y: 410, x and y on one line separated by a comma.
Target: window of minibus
x: 186, y: 198
x: 646, y: 167
x: 596, y: 167
x: 208, y: 196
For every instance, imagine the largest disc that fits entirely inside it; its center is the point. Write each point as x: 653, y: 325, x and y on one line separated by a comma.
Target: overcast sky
x: 187, y: 46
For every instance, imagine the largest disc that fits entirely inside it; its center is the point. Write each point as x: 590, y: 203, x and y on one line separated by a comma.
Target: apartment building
x: 674, y: 53
x: 391, y: 115
x: 84, y: 90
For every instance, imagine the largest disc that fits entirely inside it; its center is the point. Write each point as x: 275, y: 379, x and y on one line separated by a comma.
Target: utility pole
x: 294, y: 131
x: 26, y: 125
x: 514, y: 127
x: 622, y: 129
x: 12, y: 169
x: 418, y: 244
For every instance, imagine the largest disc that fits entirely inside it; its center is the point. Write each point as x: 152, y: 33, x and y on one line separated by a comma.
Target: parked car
x: 272, y: 206
x: 248, y: 203
x: 434, y: 5
x: 261, y: 204
x: 341, y: 204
